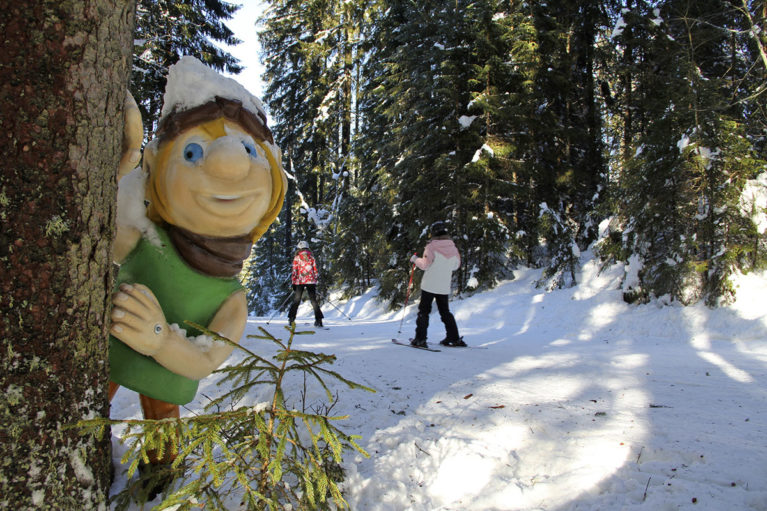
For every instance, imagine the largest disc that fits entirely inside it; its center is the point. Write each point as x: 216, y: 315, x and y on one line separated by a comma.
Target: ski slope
x: 579, y: 401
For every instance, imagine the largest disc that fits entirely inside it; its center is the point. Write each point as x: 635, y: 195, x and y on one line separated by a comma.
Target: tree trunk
x: 63, y: 76
x: 288, y: 205
x: 628, y: 85
x: 346, y: 122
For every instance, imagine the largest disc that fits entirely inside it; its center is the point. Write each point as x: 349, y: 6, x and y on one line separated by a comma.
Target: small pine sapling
x: 267, y: 456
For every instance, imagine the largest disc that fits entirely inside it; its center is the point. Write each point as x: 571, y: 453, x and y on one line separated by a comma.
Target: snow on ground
x: 575, y: 400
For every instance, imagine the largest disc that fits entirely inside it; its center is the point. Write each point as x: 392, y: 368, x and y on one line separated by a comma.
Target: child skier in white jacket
x: 440, y: 259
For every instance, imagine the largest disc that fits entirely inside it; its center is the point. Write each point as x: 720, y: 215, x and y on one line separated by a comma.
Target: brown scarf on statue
x: 217, y: 257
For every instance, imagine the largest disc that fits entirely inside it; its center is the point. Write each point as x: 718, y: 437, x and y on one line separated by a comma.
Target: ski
x: 460, y: 347
x: 395, y: 341
x: 309, y: 325
x: 452, y: 346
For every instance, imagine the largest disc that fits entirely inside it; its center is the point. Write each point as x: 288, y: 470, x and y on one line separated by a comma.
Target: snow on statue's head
x: 213, y: 168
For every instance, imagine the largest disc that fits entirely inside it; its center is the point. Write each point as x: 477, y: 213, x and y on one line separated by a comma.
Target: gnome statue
x: 213, y: 181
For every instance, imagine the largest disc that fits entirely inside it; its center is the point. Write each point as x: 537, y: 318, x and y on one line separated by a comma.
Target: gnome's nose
x: 227, y: 159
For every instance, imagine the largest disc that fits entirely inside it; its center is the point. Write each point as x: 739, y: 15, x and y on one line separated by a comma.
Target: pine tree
x: 565, y: 136
x: 626, y: 77
x: 266, y: 275
x: 284, y: 453
x: 312, y: 58
x: 285, y: 61
x: 168, y: 29
x: 455, y: 130
x: 683, y: 184
x: 524, y: 124
x: 512, y: 122
x: 477, y: 69
x: 416, y: 153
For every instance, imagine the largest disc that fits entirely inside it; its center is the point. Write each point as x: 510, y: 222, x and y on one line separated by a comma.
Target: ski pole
x: 339, y: 310
x: 407, y: 297
x: 280, y: 307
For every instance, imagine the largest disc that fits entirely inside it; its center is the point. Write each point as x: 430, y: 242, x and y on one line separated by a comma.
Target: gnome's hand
x: 138, y: 320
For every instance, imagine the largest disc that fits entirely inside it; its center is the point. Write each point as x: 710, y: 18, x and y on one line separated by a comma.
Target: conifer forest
x: 537, y: 129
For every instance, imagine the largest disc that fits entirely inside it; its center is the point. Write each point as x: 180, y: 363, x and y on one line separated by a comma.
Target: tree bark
x: 64, y: 71
x: 628, y: 90
x: 346, y: 123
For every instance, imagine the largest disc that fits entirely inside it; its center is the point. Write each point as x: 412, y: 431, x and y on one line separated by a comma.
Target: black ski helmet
x: 438, y: 228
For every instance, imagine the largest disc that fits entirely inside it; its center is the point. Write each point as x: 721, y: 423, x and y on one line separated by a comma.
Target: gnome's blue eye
x: 192, y: 152
x: 250, y: 149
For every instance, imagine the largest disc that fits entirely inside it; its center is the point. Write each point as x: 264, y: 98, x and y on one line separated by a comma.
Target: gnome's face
x: 213, y: 179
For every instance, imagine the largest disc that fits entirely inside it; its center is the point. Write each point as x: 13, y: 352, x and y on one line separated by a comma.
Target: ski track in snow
x: 580, y: 402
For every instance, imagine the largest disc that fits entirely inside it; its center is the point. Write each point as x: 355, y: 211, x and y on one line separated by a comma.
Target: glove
x: 413, y: 258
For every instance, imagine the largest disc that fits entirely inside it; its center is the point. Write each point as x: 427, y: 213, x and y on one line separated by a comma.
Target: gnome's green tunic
x: 184, y: 295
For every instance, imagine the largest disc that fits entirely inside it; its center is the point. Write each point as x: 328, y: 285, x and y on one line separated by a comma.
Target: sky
x: 566, y: 400
x: 243, y: 26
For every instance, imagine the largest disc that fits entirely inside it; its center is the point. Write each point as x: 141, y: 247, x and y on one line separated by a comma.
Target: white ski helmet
x: 302, y: 245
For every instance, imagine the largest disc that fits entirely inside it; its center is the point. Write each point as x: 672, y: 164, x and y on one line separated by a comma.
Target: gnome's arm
x: 133, y: 135
x: 138, y: 321
x: 130, y: 189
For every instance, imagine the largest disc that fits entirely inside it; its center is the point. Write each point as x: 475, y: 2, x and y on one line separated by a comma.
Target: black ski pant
x: 298, y: 294
x: 424, y: 309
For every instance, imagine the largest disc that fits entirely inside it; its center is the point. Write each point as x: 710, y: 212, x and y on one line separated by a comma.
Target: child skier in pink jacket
x: 440, y: 259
